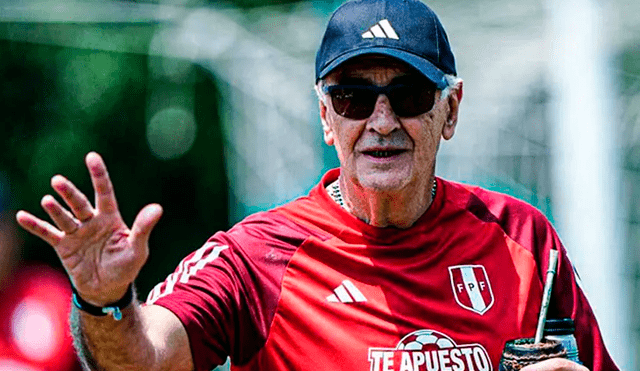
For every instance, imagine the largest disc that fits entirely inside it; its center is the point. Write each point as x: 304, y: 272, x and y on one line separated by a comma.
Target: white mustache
x: 396, y: 140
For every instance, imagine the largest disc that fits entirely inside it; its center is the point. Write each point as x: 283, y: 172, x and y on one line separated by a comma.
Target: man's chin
x: 384, y: 182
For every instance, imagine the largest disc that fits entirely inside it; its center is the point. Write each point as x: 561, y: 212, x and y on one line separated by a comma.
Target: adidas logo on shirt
x: 347, y: 292
x: 382, y: 30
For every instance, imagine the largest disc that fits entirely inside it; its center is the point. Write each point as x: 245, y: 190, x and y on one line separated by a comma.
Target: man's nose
x: 383, y: 120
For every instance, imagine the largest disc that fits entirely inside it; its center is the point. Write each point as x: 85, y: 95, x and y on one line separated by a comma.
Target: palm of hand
x: 99, y: 257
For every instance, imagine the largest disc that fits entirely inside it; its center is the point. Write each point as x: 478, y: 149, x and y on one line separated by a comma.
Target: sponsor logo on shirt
x: 430, y: 350
x: 471, y: 287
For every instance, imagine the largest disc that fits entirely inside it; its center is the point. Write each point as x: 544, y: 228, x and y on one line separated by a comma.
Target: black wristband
x: 114, y: 309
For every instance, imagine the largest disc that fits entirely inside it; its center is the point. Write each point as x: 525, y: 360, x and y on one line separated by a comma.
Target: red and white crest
x: 471, y: 287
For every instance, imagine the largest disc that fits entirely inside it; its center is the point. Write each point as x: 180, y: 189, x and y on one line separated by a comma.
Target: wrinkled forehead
x: 378, y: 69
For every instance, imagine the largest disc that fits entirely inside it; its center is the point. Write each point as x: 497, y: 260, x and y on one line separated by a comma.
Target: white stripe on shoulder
x: 187, y: 269
x: 202, y: 261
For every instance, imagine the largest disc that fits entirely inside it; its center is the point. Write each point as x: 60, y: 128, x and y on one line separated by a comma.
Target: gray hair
x: 451, y: 80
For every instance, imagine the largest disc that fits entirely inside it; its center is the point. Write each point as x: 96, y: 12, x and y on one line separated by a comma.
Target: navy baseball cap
x: 404, y: 29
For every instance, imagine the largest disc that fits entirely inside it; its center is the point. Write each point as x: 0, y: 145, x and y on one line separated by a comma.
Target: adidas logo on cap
x: 382, y: 29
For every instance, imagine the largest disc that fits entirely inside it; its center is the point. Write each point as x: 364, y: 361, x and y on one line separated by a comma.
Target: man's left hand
x: 555, y: 364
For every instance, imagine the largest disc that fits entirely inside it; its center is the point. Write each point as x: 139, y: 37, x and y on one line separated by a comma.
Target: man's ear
x: 326, y: 129
x: 454, y: 98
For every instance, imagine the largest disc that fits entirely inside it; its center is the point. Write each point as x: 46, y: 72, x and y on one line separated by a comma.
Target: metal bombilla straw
x: 546, y: 297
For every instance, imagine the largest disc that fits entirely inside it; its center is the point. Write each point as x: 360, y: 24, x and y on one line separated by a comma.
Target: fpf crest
x: 471, y: 287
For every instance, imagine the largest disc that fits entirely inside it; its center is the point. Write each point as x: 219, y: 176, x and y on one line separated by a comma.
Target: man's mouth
x: 384, y: 154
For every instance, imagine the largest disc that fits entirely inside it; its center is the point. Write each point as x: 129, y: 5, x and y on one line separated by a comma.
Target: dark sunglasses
x: 357, y: 102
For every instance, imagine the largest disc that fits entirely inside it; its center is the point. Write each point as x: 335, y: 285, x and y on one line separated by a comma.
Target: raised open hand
x: 100, y: 253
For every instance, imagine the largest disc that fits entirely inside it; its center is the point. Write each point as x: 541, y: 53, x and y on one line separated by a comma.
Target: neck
x: 394, y: 208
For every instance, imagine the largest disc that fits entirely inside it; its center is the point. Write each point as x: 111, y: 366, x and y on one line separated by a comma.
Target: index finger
x: 105, y: 197
x: 39, y: 228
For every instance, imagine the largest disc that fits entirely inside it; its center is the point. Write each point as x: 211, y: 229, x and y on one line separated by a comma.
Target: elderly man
x: 383, y: 266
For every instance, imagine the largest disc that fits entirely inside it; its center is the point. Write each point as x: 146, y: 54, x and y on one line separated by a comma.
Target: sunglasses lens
x: 358, y: 102
x: 353, y: 102
x: 410, y: 101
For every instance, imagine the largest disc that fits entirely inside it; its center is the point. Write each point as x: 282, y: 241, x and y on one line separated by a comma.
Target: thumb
x: 147, y: 218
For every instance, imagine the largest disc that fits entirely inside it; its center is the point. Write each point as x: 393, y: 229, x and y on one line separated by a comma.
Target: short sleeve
x: 204, y: 292
x: 226, y: 293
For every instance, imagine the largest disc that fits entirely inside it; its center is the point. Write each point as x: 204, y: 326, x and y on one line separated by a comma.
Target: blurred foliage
x: 58, y: 103
x: 255, y: 3
x: 629, y: 89
x: 629, y: 61
x: 232, y: 3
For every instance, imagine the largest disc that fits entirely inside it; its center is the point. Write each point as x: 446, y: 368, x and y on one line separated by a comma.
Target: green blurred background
x: 58, y: 103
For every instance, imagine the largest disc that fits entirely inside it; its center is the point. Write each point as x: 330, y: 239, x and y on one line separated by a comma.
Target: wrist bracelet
x: 113, y: 309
